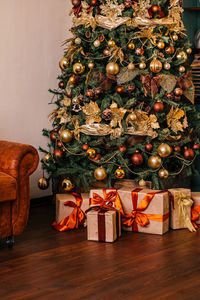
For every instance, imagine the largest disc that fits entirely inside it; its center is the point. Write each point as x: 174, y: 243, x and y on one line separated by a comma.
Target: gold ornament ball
x: 174, y: 37
x: 163, y: 173
x: 67, y: 185
x: 72, y: 80
x: 97, y: 43
x: 43, y: 183
x: 46, y: 158
x: 154, y: 161
x: 78, y: 68
x: 132, y: 117
x: 142, y: 65
x: 181, y: 55
x: 161, y: 45
x: 64, y: 63
x: 111, y: 43
x: 167, y: 66
x: 164, y: 150
x: 189, y: 51
x: 181, y: 69
x: 112, y: 68
x: 100, y: 173
x: 119, y: 173
x: 142, y: 183
x: 91, y: 153
x: 131, y: 66
x: 155, y: 66
x: 66, y: 136
x: 77, y: 41
x: 90, y: 65
x: 131, y: 46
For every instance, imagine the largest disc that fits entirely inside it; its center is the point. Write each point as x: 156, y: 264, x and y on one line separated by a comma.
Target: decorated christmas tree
x: 124, y: 107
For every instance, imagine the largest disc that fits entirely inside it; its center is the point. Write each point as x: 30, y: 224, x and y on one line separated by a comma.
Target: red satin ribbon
x: 137, y: 217
x: 195, y: 215
x: 77, y: 10
x: 75, y: 219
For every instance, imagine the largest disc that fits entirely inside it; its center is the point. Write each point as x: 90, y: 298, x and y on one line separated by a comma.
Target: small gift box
x: 70, y: 210
x: 196, y: 207
x: 180, y: 216
x: 103, y: 224
x: 145, y: 210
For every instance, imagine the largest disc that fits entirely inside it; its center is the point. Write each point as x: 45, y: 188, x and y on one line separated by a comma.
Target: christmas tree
x: 125, y: 98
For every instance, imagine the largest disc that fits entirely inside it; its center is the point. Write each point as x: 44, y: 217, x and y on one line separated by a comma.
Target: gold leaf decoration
x: 126, y: 75
x: 117, y: 115
x: 173, y: 118
x: 91, y: 110
x: 168, y: 83
x: 190, y: 94
x: 116, y: 53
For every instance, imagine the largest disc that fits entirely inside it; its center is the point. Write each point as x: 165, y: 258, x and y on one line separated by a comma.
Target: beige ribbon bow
x: 184, y: 201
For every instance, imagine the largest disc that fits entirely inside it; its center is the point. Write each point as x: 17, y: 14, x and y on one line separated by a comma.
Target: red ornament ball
x: 170, y: 50
x: 85, y: 147
x: 178, y: 92
x: 106, y: 52
x: 122, y: 149
x: 76, y: 3
x: 155, y: 8
x: 139, y: 51
x: 89, y: 93
x: 148, y: 147
x: 53, y: 136
x: 158, y: 107
x: 94, y: 2
x: 177, y: 148
x: 120, y: 89
x: 196, y: 146
x: 58, y: 153
x: 61, y: 85
x: 189, y: 154
x: 59, y: 144
x: 137, y: 159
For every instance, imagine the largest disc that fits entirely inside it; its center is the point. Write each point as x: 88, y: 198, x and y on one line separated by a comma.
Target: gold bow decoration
x: 60, y: 114
x: 184, y: 201
x: 148, y: 34
x: 91, y: 111
x: 116, y: 53
x: 173, y: 118
x: 85, y: 18
x: 117, y: 114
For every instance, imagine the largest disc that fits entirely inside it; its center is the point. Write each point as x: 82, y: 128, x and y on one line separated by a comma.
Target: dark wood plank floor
x: 45, y: 264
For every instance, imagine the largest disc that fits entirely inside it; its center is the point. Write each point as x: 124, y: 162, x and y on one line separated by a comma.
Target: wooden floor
x: 45, y: 264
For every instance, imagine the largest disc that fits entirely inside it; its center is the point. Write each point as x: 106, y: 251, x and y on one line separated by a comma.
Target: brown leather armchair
x: 17, y: 162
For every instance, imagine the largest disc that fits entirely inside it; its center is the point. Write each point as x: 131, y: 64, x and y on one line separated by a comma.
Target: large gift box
x: 180, y: 216
x: 70, y: 210
x: 196, y: 207
x: 103, y: 224
x: 145, y: 210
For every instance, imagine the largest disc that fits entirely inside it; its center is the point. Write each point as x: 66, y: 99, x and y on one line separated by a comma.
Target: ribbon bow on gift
x: 75, y: 219
x: 184, y: 201
x: 111, y: 198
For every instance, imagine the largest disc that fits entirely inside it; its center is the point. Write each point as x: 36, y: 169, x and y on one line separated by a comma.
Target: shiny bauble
x: 106, y: 52
x: 90, y: 65
x: 131, y: 66
x: 137, y: 159
x: 174, y: 37
x: 43, y: 183
x: 155, y: 66
x: 58, y: 153
x: 77, y: 41
x: 120, y: 89
x: 139, y: 51
x: 169, y: 50
x: 163, y: 173
x: 122, y: 149
x: 119, y: 173
x: 46, y: 158
x: 89, y: 93
x: 91, y: 153
x: 131, y: 88
x: 167, y: 66
x: 154, y: 161
x: 161, y: 45
x: 67, y: 185
x: 177, y: 148
x: 142, y: 65
x: 148, y: 147
x: 181, y: 69
x: 164, y: 150
x: 72, y: 80
x: 111, y: 43
x: 66, y: 136
x: 132, y: 117
x: 112, y: 68
x: 181, y: 55
x: 142, y: 183
x: 59, y: 144
x: 196, y: 146
x: 85, y: 147
x: 131, y: 46
x: 178, y: 92
x: 155, y: 8
x: 94, y: 2
x: 189, y: 154
x: 76, y: 3
x: 100, y: 173
x: 96, y: 43
x: 78, y: 68
x: 158, y: 107
x: 188, y: 50
x: 53, y: 137
x: 61, y: 85
x: 64, y: 63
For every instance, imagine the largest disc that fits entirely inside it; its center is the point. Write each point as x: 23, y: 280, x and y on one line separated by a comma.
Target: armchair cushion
x: 8, y: 187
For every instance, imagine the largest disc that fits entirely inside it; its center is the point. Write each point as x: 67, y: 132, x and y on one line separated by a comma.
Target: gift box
x: 180, y: 216
x: 103, y: 224
x: 196, y: 207
x: 70, y: 210
x: 145, y: 210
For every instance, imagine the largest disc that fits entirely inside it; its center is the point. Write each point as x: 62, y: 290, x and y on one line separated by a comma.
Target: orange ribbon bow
x: 75, y: 219
x: 110, y: 198
x: 137, y: 217
x: 195, y: 215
